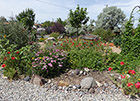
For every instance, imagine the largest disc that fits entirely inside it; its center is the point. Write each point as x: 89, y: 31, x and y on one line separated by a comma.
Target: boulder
x: 37, y: 80
x: 88, y: 82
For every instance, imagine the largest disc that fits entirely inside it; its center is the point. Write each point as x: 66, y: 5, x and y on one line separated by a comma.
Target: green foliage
x: 111, y: 18
x: 16, y: 33
x: 86, y: 58
x: 133, y: 79
x: 106, y: 35
x: 54, y: 34
x: 27, y: 18
x: 49, y: 63
x: 77, y: 18
x: 130, y: 38
x: 117, y: 40
x: 60, y: 21
x: 47, y: 24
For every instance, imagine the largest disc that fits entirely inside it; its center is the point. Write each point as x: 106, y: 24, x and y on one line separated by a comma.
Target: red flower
x: 13, y: 58
x: 105, y: 44
x: 137, y: 85
x: 131, y: 72
x: 76, y: 45
x: 64, y: 41
x: 5, y: 58
x: 73, y: 43
x: 130, y: 84
x: 109, y: 69
x: 3, y: 65
x: 17, y: 52
x: 79, y: 44
x: 91, y: 43
x: 84, y: 42
x: 122, y: 76
x: 8, y: 52
x: 121, y: 63
x: 61, y: 44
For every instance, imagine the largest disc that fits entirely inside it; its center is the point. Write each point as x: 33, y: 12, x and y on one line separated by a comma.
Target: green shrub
x: 16, y: 33
x: 54, y: 34
x: 49, y: 63
x: 86, y: 58
x: 106, y: 35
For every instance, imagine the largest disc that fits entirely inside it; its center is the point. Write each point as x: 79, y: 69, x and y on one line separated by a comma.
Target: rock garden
x: 75, y: 63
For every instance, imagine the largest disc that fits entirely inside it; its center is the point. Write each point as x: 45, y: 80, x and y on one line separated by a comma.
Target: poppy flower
x: 8, y: 52
x: 109, y: 69
x: 122, y: 76
x: 137, y: 85
x: 13, y: 58
x: 130, y: 84
x: 121, y: 63
x: 91, y: 43
x: 61, y: 44
x: 73, y: 43
x: 131, y: 72
x: 17, y: 52
x: 3, y: 65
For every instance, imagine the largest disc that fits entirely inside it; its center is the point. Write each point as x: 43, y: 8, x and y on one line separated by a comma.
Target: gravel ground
x: 24, y: 91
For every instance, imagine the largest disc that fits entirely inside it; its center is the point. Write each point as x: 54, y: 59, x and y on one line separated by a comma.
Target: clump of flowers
x: 49, y: 62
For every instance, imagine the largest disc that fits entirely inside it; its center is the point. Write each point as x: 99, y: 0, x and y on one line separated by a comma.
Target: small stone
x: 85, y: 73
x: 62, y: 83
x: 77, y: 71
x: 81, y: 72
x: 74, y: 87
x: 88, y: 82
x: 27, y: 78
x: 22, y: 77
x: 99, y: 84
x: 36, y: 79
x: 49, y: 81
x: 91, y: 90
x: 86, y: 70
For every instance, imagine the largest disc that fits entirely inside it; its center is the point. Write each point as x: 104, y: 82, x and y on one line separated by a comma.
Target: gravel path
x: 24, y: 91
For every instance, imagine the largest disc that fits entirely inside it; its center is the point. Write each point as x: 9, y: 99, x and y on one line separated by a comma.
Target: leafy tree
x: 27, y: 18
x: 77, y: 18
x: 57, y: 27
x: 111, y: 18
x: 3, y: 19
x: 47, y: 24
x: 59, y: 20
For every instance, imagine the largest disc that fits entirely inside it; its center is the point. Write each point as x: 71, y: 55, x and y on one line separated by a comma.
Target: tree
x: 47, y: 24
x: 27, y: 18
x: 111, y: 18
x: 3, y: 19
x: 77, y: 18
x: 59, y: 20
x: 57, y: 27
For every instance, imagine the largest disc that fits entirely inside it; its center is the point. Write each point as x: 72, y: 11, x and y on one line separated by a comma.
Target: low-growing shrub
x: 86, y: 58
x: 49, y: 63
x: 54, y: 34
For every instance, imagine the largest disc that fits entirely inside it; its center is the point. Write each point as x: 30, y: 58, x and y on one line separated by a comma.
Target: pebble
x: 21, y: 90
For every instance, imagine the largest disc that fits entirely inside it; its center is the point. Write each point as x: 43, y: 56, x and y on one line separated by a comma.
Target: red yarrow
x: 3, y: 65
x: 131, y: 72
x: 8, y: 52
x: 137, y: 85
x: 17, y: 52
x: 121, y: 63
x: 130, y: 84
x: 109, y: 69
x: 13, y: 58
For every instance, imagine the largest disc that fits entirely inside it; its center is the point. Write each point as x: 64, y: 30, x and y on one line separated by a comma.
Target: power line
x: 52, y: 4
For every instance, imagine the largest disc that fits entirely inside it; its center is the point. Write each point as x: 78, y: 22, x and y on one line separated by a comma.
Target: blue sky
x: 47, y: 10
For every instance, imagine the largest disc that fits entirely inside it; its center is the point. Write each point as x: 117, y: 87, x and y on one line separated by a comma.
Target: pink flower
x: 51, y: 61
x: 137, y: 85
x: 122, y: 76
x: 50, y: 64
x: 131, y: 72
x: 130, y: 84
x: 109, y: 69
x: 60, y: 65
x: 121, y: 63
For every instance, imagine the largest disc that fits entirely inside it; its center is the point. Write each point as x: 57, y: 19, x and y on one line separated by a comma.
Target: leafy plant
x: 54, y: 34
x: 27, y: 18
x: 77, y: 18
x: 49, y: 63
x: 58, y: 28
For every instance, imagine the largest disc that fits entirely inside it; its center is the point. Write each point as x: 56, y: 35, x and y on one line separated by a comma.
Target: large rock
x: 88, y: 82
x: 37, y: 80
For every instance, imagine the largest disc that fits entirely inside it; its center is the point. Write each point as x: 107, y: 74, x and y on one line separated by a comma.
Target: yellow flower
x: 139, y: 79
x: 33, y: 58
x: 40, y: 57
x: 126, y: 72
x: 4, y: 36
x: 123, y: 73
